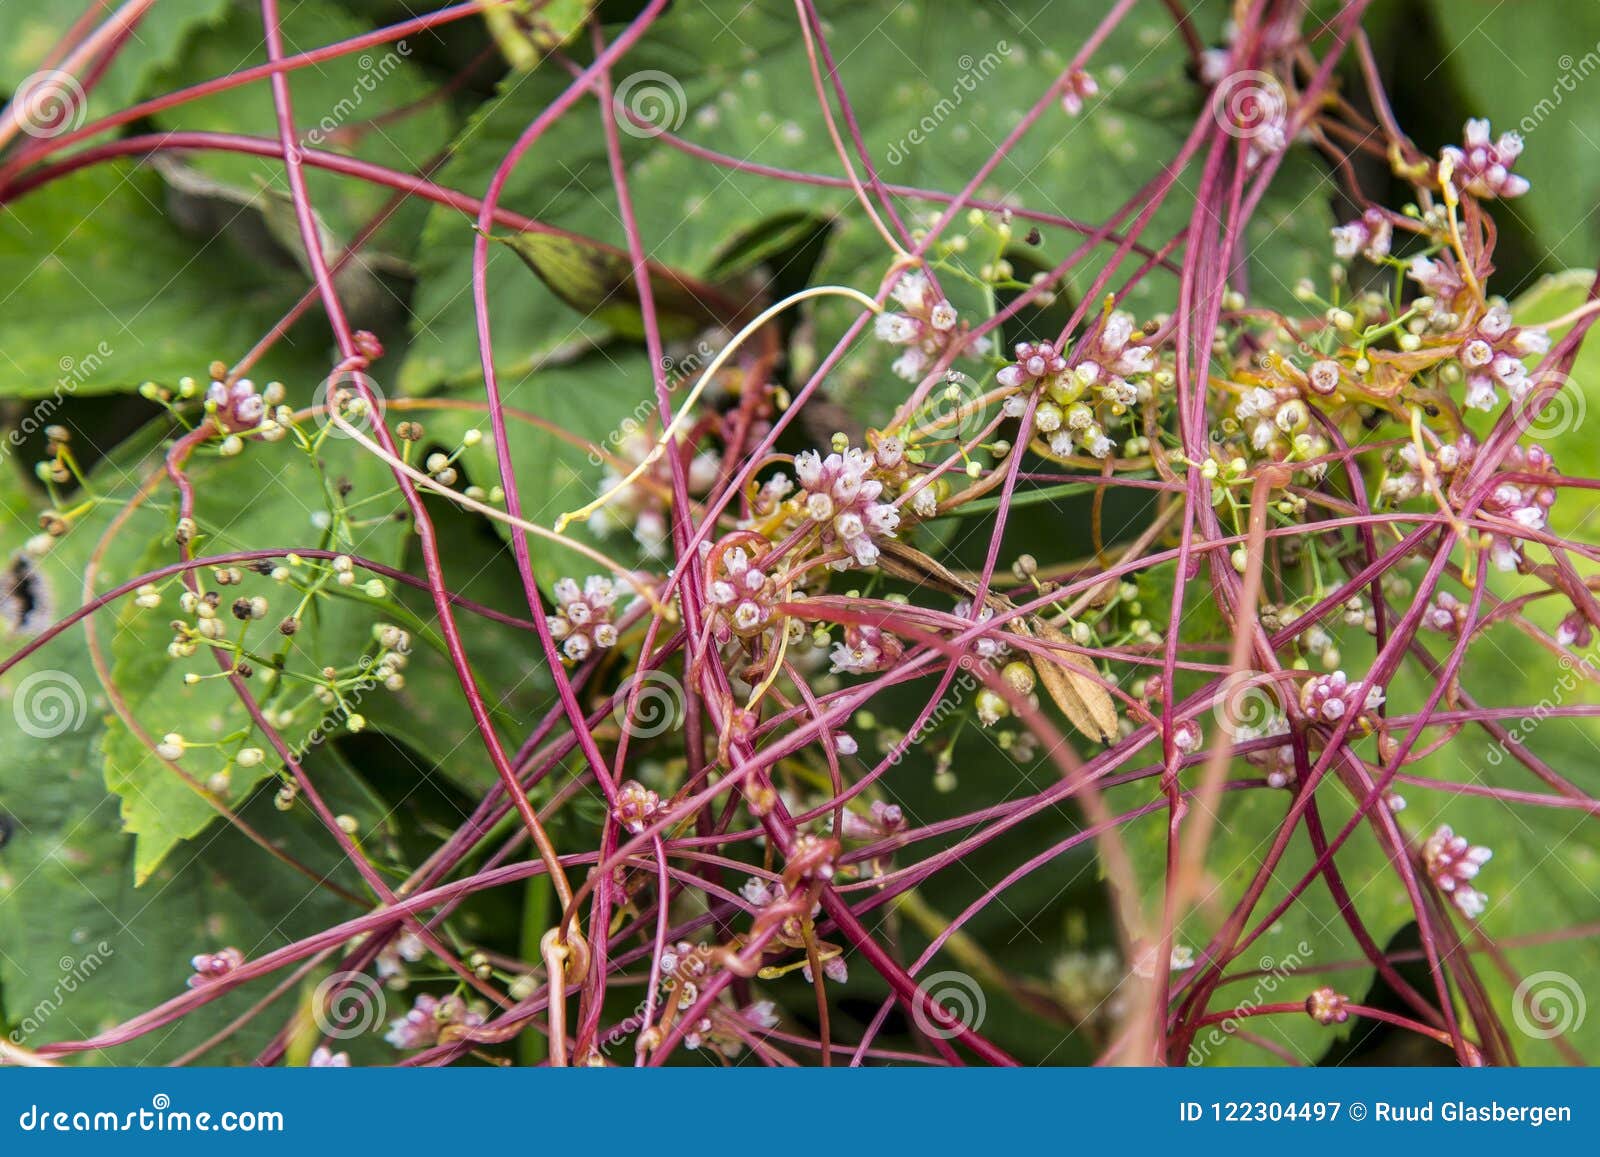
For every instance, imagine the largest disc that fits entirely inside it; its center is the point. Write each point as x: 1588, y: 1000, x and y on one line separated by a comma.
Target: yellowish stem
x: 1566, y: 319
x: 483, y: 508
x: 555, y: 954
x: 1451, y: 201
x: 582, y: 513
x: 901, y: 257
x: 777, y: 660
x: 1430, y: 476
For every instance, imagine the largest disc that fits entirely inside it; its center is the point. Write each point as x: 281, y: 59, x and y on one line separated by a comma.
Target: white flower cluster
x: 1451, y: 863
x: 1107, y: 373
x: 742, y: 593
x: 925, y: 326
x: 1492, y: 357
x: 1331, y: 697
x: 582, y: 621
x: 1482, y: 166
x: 838, y: 495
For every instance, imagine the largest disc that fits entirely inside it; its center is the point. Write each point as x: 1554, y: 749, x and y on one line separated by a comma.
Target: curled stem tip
x: 640, y: 587
x: 583, y: 513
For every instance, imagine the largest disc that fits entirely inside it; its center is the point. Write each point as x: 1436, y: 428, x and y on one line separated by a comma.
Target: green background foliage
x: 130, y: 272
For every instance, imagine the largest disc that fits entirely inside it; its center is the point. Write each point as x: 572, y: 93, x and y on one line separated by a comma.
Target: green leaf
x: 268, y: 496
x: 750, y: 96
x: 127, y: 294
x: 369, y: 105
x: 594, y: 402
x: 598, y: 280
x: 83, y: 949
x: 263, y: 224
x: 767, y: 241
x: 1561, y: 428
x: 429, y: 715
x: 1543, y: 881
x: 29, y: 32
x: 527, y: 32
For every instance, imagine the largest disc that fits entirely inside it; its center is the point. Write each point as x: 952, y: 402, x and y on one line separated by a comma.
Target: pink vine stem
x: 606, y: 939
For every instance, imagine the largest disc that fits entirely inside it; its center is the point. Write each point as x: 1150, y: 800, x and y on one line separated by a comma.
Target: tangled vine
x: 926, y: 627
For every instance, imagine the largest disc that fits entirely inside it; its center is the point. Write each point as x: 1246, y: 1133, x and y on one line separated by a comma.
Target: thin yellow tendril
x: 1565, y: 319
x: 1430, y: 476
x: 1451, y: 200
x: 901, y: 257
x: 582, y: 514
x: 421, y: 479
x: 825, y: 953
x: 777, y: 661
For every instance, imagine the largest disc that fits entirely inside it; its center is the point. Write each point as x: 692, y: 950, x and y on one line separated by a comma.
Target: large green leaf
x: 964, y: 71
x: 129, y: 296
x: 359, y: 104
x: 269, y: 496
x: 28, y: 33
x: 81, y: 948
